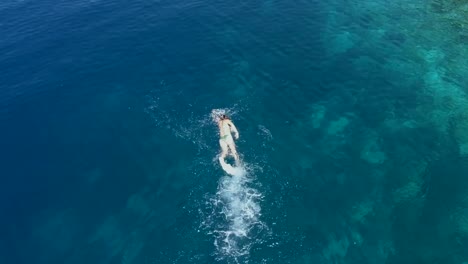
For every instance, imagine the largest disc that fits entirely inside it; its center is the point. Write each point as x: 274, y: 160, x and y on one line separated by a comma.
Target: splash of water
x: 232, y: 214
x: 237, y: 171
x: 238, y: 202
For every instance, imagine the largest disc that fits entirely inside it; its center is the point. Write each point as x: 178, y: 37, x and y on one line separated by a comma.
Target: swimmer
x: 226, y: 141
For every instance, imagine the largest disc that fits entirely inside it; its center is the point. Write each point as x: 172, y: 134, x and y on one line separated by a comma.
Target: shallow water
x: 352, y: 118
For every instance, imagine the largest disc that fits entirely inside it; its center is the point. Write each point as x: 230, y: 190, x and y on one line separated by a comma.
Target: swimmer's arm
x: 234, y: 129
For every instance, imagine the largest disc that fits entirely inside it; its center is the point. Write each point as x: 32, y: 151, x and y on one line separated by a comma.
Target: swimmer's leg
x: 224, y: 148
x: 234, y: 153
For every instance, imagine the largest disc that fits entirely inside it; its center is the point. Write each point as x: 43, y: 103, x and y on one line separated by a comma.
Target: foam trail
x: 239, y: 205
x: 232, y: 214
x: 237, y: 201
x: 229, y: 169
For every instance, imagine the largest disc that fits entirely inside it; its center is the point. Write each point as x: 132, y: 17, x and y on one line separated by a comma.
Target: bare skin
x: 226, y: 128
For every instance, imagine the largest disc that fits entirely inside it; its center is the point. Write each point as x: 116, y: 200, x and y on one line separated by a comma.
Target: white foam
x: 216, y: 113
x: 232, y: 214
x: 238, y: 202
x: 237, y: 171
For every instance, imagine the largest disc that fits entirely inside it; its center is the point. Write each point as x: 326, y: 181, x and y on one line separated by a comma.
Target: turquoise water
x: 353, y: 121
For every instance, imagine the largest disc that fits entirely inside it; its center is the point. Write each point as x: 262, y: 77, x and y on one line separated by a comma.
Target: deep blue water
x: 353, y: 121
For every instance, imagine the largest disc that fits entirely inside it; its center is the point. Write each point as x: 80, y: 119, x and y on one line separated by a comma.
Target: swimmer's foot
x: 237, y: 161
x: 221, y: 159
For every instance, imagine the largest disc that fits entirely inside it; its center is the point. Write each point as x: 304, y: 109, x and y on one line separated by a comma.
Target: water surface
x: 352, y: 115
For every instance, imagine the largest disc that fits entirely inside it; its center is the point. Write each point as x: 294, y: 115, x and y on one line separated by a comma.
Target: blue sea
x: 353, y: 122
